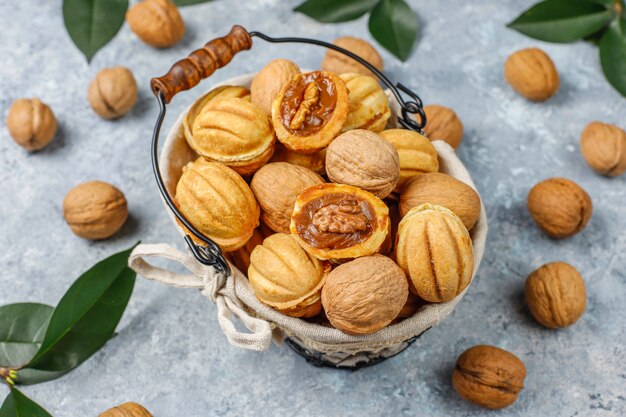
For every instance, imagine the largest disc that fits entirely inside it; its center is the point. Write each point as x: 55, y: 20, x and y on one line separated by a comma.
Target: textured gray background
x: 170, y: 354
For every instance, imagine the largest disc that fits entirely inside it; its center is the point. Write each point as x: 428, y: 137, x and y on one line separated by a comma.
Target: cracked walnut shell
x: 156, y: 22
x: 532, y: 74
x: 369, y: 105
x: 443, y: 124
x: 365, y: 160
x: 218, y: 202
x: 310, y: 111
x: 95, y: 210
x: 434, y: 249
x: 31, y: 123
x: 276, y: 187
x: 235, y: 132
x: 442, y: 190
x: 268, y: 82
x: 417, y: 154
x: 339, y: 63
x: 113, y: 92
x: 489, y: 376
x: 555, y: 294
x: 333, y: 221
x: 127, y: 410
x: 364, y: 295
x: 560, y: 207
x: 286, y: 277
x: 604, y: 148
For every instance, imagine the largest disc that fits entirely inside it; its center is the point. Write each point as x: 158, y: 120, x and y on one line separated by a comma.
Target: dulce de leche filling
x: 335, y: 221
x: 308, y: 104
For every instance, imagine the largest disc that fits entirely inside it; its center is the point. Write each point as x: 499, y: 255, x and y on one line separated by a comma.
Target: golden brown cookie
x: 369, y: 105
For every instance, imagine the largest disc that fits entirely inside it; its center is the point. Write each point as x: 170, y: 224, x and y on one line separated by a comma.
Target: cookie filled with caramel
x: 310, y: 111
x: 336, y: 221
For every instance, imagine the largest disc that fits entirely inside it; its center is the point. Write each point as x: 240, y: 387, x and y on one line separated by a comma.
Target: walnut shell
x: 276, y: 187
x: 417, y: 154
x: 434, y: 249
x: 316, y: 162
x: 532, y: 74
x: 364, y: 295
x: 113, y: 92
x: 489, y: 376
x: 369, y: 105
x: 286, y: 277
x: 156, y: 22
x: 555, y: 294
x: 31, y: 123
x: 127, y: 410
x: 95, y: 210
x: 268, y: 82
x: 235, y: 132
x: 310, y: 111
x: 365, y: 160
x: 218, y: 202
x: 339, y: 63
x: 333, y: 221
x: 604, y: 148
x: 442, y: 123
x: 560, y: 207
x: 442, y: 190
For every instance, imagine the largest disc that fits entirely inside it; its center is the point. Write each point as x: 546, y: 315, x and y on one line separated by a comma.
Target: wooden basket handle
x: 201, y: 63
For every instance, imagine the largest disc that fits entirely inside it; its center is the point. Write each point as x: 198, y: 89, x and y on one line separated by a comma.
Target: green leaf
x: 613, y: 55
x: 18, y: 405
x: 562, y: 20
x: 190, y: 2
x: 93, y: 23
x: 22, y: 327
x: 394, y: 25
x: 87, y: 315
x: 334, y: 11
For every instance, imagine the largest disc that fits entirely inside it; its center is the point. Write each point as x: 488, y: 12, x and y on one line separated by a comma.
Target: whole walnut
x: 560, y: 207
x: 434, y: 249
x: 532, y: 74
x: 339, y: 63
x: 113, y: 92
x: 416, y: 154
x: 555, y: 294
x: 442, y: 190
x: 276, y: 187
x: 604, y: 148
x: 364, y: 295
x: 442, y: 123
x: 489, y: 376
x: 127, y: 410
x: 365, y: 160
x: 268, y: 82
x: 157, y: 22
x: 31, y: 123
x: 95, y: 210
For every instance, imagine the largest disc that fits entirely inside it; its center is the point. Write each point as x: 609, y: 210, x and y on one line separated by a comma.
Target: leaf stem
x: 619, y: 8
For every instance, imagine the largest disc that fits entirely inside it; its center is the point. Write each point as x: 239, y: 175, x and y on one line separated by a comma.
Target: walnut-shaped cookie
x: 241, y: 257
x: 218, y: 93
x: 310, y: 111
x: 336, y: 221
x: 268, y: 82
x: 235, y: 132
x: 435, y: 251
x: 417, y: 154
x: 316, y: 162
x: 363, y: 159
x: 286, y: 277
x: 369, y: 105
x: 218, y: 202
x: 276, y: 187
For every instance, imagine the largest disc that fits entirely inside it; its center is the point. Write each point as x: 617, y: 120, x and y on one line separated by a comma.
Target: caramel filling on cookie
x: 335, y: 221
x: 308, y: 104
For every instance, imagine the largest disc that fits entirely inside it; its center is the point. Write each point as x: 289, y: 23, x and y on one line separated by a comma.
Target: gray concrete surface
x: 170, y: 354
